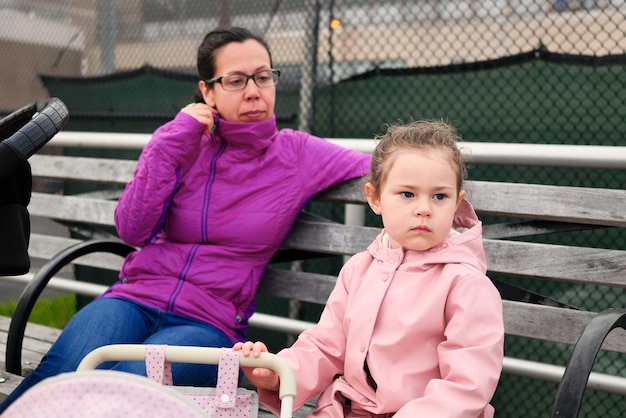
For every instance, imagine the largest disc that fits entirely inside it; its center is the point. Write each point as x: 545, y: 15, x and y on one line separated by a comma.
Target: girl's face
x: 253, y: 103
x: 418, y: 200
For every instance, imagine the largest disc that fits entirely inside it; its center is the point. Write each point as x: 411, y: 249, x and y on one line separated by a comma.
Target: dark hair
x: 215, y: 40
x: 416, y: 135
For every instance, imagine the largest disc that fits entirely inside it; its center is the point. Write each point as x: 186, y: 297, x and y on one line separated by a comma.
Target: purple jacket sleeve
x: 324, y: 164
x: 142, y: 207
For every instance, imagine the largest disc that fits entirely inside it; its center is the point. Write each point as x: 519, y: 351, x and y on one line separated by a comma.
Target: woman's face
x: 253, y: 103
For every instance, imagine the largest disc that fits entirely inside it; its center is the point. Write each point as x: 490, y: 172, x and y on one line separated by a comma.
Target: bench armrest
x: 572, y: 387
x: 33, y: 289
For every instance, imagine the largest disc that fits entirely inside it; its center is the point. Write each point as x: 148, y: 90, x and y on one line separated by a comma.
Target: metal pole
x: 108, y: 35
x: 306, y: 117
x: 331, y: 67
x: 224, y: 13
x: 309, y: 66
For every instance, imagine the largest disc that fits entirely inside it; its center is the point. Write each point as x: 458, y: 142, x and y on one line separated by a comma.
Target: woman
x: 214, y: 194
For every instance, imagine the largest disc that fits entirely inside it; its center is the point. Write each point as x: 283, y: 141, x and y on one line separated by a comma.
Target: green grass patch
x: 53, y: 312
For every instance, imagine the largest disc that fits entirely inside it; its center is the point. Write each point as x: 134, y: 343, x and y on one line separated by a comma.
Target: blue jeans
x: 114, y: 321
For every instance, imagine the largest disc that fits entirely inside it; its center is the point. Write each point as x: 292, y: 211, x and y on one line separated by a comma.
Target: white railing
x: 587, y: 156
x: 582, y: 156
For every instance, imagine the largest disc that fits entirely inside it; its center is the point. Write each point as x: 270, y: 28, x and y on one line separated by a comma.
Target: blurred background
x: 529, y: 71
x: 501, y: 70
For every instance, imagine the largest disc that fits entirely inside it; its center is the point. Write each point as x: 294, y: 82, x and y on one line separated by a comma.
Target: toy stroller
x: 107, y: 393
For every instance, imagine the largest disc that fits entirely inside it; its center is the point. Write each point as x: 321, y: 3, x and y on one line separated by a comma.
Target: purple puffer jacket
x: 210, y: 211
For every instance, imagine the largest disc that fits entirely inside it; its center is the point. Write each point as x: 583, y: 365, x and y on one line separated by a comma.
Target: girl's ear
x: 460, y: 198
x: 207, y: 93
x: 372, y: 198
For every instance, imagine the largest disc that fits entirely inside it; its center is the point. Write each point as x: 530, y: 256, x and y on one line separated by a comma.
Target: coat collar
x: 249, y: 138
x: 465, y: 247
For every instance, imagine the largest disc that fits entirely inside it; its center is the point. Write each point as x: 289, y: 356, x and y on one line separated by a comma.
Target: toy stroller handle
x: 28, y: 129
x: 199, y: 355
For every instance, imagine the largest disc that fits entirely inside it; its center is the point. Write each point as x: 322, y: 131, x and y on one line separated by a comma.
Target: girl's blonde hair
x: 423, y: 135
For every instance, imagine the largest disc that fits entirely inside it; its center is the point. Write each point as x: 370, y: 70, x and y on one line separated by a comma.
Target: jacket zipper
x: 205, y: 210
x: 207, y: 192
x: 181, y: 279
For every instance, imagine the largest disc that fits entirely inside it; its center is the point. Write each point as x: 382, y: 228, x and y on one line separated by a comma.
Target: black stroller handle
x: 22, y: 134
x: 28, y: 129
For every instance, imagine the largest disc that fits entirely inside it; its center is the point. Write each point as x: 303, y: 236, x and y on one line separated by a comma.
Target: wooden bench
x: 520, y: 216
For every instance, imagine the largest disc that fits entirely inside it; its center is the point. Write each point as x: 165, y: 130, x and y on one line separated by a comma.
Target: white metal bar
x: 551, y: 373
x: 60, y: 284
x: 584, y: 156
x: 103, y: 140
x: 589, y: 156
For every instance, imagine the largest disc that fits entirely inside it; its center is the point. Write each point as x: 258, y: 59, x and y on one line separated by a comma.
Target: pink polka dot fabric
x: 223, y: 401
x: 113, y: 394
x: 156, y: 368
x: 101, y: 394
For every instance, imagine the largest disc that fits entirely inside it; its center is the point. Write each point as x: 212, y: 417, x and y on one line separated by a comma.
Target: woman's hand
x: 203, y: 113
x: 259, y: 376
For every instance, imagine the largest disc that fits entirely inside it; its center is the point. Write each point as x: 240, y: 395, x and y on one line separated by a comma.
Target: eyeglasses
x: 239, y: 81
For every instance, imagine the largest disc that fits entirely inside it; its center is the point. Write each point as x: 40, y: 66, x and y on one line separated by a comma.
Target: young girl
x: 413, y: 327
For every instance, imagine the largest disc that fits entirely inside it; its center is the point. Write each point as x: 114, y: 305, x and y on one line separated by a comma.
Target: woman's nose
x: 251, y: 89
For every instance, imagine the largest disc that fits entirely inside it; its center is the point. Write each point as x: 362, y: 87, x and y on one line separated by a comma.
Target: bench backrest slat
x: 557, y: 262
x: 72, y: 208
x: 85, y: 169
x: 554, y: 324
x: 330, y: 238
x: 533, y: 201
x: 304, y: 286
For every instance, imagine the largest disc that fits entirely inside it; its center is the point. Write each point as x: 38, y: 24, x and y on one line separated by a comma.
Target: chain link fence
x: 536, y: 71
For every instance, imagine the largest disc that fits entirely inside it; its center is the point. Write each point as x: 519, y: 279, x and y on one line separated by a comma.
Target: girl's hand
x: 259, y: 376
x: 248, y: 347
x: 203, y: 113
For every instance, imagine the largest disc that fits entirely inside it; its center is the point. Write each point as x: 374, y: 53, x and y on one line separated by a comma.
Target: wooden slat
x: 531, y: 228
x: 47, y: 246
x: 304, y: 286
x: 72, y: 208
x: 82, y: 168
x: 533, y: 201
x: 37, y: 341
x: 347, y: 192
x: 554, y: 324
x: 330, y: 238
x: 566, y: 204
x: 557, y: 262
x: 8, y: 382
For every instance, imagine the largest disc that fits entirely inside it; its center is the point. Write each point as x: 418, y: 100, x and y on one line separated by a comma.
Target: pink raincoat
x: 405, y: 333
